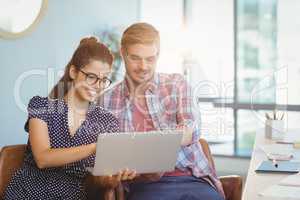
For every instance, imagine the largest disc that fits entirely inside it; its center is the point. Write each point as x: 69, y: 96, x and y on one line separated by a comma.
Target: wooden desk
x: 257, y: 183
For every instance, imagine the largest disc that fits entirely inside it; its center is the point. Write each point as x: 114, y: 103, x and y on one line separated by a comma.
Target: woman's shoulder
x: 39, y: 104
x: 43, y: 101
x: 37, y: 108
x: 38, y: 100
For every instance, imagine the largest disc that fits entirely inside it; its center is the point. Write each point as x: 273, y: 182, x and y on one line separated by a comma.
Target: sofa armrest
x: 232, y: 186
x: 11, y: 159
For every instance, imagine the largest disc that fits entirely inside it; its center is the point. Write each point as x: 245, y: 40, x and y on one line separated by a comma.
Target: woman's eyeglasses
x: 92, y: 79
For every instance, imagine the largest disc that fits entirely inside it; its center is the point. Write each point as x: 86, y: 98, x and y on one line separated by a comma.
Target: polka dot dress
x: 65, y: 182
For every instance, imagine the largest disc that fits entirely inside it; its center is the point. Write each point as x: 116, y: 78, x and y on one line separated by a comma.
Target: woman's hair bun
x: 89, y: 40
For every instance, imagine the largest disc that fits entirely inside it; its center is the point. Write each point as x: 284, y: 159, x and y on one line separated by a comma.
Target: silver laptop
x: 144, y: 152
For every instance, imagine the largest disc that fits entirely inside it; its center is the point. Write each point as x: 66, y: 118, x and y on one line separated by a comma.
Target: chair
x: 11, y: 159
x: 232, y: 185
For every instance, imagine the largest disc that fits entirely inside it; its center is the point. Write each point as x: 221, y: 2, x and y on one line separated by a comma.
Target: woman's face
x: 91, y: 79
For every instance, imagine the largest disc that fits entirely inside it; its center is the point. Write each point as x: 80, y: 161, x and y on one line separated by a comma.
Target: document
x: 292, y: 137
x: 278, y: 151
x: 280, y: 191
x: 292, y: 180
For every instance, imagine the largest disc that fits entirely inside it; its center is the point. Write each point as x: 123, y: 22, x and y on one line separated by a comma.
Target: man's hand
x: 187, y: 137
x: 126, y: 175
x: 148, y: 177
x: 152, y: 176
x: 113, y: 181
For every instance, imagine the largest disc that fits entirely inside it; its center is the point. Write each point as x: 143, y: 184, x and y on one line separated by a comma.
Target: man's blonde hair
x: 140, y: 33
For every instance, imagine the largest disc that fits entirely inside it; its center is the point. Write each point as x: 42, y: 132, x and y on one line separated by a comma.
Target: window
x: 170, y: 27
x: 266, y: 73
x: 241, y: 58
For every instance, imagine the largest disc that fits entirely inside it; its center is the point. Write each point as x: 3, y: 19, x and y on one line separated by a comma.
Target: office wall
x: 37, y: 58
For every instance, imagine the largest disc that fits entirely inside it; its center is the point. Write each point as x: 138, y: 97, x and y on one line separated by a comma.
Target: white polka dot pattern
x: 64, y: 182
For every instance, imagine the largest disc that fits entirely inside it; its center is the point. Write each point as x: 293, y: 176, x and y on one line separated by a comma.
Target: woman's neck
x: 76, y: 103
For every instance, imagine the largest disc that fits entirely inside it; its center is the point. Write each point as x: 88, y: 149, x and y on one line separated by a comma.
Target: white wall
x: 50, y: 45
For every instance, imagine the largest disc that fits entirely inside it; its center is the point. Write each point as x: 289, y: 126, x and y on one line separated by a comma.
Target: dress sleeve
x: 37, y: 108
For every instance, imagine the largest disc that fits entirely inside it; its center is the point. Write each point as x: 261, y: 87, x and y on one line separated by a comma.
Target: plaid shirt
x: 170, y: 104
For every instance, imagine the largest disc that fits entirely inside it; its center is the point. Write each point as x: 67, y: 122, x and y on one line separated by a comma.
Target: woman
x: 63, y: 130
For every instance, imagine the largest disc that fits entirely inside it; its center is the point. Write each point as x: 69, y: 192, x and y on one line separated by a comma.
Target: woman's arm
x: 45, y: 156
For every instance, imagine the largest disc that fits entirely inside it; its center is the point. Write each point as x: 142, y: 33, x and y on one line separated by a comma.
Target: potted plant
x: 111, y: 37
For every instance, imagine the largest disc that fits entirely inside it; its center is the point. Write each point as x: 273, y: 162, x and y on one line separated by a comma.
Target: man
x: 146, y: 101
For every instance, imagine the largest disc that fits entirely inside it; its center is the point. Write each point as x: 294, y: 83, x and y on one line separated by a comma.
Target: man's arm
x: 187, y: 115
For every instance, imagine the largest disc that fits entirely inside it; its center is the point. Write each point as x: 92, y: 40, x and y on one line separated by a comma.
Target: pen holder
x: 274, y: 129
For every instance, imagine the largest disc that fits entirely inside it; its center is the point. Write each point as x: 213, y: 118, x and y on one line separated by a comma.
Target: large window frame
x: 234, y: 103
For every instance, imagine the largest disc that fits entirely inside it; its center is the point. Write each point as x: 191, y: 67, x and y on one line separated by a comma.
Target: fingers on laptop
x: 132, y: 175
x: 127, y: 174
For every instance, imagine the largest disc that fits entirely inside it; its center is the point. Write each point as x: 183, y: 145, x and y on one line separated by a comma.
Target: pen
x: 267, y: 116
x: 275, y: 163
x: 283, y: 142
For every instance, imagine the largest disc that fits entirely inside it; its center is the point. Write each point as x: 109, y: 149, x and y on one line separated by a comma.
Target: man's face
x: 140, y: 62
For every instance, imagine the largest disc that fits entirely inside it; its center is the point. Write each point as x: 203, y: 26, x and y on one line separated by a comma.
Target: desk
x: 257, y: 183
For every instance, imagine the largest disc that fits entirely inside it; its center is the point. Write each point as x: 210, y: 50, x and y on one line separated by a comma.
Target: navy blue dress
x: 66, y: 182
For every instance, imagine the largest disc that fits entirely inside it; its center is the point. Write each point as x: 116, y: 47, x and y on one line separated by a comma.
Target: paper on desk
x: 278, y: 151
x: 279, y: 191
x: 292, y: 180
x: 292, y: 137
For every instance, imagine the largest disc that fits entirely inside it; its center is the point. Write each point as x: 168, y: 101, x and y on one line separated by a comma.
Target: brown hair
x: 140, y: 33
x: 88, y: 50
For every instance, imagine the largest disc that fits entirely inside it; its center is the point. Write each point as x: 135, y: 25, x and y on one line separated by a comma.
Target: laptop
x: 144, y: 152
